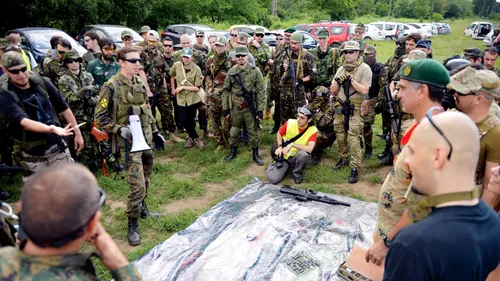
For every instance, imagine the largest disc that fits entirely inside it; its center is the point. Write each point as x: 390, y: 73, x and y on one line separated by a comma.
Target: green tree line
x: 72, y: 15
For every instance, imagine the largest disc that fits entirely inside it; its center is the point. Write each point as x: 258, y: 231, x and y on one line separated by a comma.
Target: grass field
x: 186, y: 183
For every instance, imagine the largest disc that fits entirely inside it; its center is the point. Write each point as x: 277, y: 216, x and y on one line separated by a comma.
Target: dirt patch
x: 369, y: 191
x: 259, y: 171
x: 168, y: 160
x: 116, y: 204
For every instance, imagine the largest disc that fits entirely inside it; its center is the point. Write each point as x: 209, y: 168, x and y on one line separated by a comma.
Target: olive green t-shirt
x: 193, y: 77
x: 490, y: 148
x: 363, y: 75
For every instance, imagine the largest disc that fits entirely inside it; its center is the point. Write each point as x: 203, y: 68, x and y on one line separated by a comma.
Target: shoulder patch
x: 104, y: 103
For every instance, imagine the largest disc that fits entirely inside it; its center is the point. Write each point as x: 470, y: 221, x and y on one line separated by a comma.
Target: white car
x: 390, y: 30
x: 373, y: 33
x: 409, y: 29
x: 488, y: 40
x: 479, y: 30
x: 422, y: 29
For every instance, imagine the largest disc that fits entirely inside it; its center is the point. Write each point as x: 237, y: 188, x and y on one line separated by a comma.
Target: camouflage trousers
x: 349, y: 144
x: 166, y: 109
x: 369, y: 119
x: 289, y: 104
x: 220, y: 125
x: 240, y: 118
x: 323, y: 141
x: 138, y: 167
x: 52, y: 156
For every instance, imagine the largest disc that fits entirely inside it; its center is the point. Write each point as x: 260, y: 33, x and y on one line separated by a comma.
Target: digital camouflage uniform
x: 118, y: 99
x: 15, y: 265
x: 80, y: 92
x: 323, y: 115
x: 326, y: 66
x: 167, y: 103
x: 379, y: 81
x: 304, y: 66
x: 273, y: 83
x: 217, y: 67
x: 233, y: 98
x: 156, y: 69
x: 54, y: 69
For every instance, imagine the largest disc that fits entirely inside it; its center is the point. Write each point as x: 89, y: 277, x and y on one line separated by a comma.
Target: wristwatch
x: 387, y: 242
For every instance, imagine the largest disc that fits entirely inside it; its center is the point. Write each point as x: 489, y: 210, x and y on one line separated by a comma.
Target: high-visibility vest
x: 292, y: 129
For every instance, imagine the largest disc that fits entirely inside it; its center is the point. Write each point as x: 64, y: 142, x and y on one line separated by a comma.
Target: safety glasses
x: 428, y: 114
x: 133, y: 60
x: 72, y: 60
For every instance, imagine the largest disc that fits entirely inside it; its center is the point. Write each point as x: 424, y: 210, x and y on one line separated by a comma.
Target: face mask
x: 419, y: 206
x: 369, y: 60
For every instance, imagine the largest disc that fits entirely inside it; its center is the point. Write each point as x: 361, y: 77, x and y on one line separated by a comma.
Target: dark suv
x: 340, y: 31
x: 175, y: 31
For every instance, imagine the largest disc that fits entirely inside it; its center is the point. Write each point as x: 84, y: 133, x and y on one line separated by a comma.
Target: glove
x: 348, y: 77
x: 379, y: 108
x: 340, y: 79
x: 225, y: 113
x: 125, y: 133
x: 299, y: 81
x: 448, y: 101
x: 83, y: 91
x: 260, y: 114
x: 159, y: 141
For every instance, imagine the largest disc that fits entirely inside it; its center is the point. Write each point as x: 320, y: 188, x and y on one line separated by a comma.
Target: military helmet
x: 321, y: 91
x: 71, y: 54
x: 297, y: 36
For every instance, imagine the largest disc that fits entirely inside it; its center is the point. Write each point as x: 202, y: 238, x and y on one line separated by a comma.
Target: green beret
x: 426, y: 71
x: 12, y: 59
x: 290, y: 30
x: 241, y: 50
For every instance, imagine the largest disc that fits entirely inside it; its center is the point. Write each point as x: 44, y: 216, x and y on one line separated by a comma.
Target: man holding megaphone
x: 122, y: 111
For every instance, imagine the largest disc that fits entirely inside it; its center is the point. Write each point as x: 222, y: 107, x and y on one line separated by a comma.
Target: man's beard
x: 108, y: 57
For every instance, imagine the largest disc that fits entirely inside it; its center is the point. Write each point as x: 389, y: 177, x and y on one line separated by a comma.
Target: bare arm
x: 37, y: 127
x: 70, y: 118
x: 360, y: 88
x: 307, y: 148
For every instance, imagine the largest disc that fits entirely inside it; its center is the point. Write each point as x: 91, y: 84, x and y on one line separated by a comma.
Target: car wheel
x: 388, y: 38
x: 368, y: 38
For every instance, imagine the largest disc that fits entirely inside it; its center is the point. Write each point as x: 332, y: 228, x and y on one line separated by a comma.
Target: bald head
x: 58, y: 201
x: 427, y: 154
x: 185, y: 41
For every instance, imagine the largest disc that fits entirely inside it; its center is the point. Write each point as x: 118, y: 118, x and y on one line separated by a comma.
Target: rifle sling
x: 295, y: 138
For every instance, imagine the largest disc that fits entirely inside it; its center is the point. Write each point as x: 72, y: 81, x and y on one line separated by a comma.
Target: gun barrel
x: 306, y: 195
x: 10, y: 169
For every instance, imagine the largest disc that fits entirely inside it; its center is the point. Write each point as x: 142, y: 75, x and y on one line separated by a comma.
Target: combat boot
x: 353, y: 177
x: 232, y: 154
x: 146, y: 213
x: 256, y: 157
x: 189, y: 143
x: 368, y: 152
x: 341, y: 164
x: 134, y: 238
x: 388, y: 160
x: 315, y: 158
x: 275, y: 129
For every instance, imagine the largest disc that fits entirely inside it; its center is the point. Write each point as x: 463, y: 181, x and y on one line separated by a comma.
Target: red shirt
x: 282, y: 132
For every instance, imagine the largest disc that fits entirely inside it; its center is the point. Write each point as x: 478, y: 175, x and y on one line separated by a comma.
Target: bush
x: 435, y: 17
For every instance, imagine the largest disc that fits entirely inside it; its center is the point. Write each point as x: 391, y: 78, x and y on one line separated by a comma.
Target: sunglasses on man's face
x: 428, y: 114
x: 127, y: 39
x: 349, y: 52
x: 200, y: 36
x: 280, y: 39
x: 133, y: 60
x: 108, y: 49
x: 464, y: 95
x: 61, y: 52
x: 72, y: 60
x: 259, y: 35
x: 168, y: 45
x: 234, y: 35
x: 241, y: 56
x: 16, y: 71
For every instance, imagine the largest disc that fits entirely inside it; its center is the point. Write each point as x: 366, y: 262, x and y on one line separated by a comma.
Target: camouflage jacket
x: 261, y: 55
x: 327, y: 64
x: 81, y: 102
x: 277, y: 55
x: 379, y: 81
x: 323, y: 114
x: 216, y: 75
x: 15, y: 265
x: 393, y: 66
x: 54, y: 69
x: 155, y: 67
x: 199, y: 59
x: 303, y: 68
x: 251, y: 77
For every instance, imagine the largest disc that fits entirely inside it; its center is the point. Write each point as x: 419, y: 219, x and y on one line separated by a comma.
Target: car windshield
x: 40, y: 38
x: 116, y: 33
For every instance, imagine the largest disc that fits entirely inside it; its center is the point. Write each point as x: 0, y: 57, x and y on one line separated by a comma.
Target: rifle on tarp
x: 309, y: 195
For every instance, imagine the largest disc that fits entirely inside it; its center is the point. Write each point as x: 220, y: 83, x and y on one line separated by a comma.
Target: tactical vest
x: 299, y: 65
x: 377, y: 70
x: 323, y: 74
x: 292, y: 129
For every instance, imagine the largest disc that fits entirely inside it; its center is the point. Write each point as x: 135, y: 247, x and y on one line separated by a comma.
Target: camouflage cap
x: 12, y: 59
x: 241, y: 50
x: 471, y: 80
x: 145, y: 29
x: 71, y: 54
x: 321, y: 91
x: 426, y: 71
x: 280, y: 33
x: 187, y: 52
x: 4, y: 44
x: 297, y: 36
x: 415, y: 55
x: 200, y: 32
x: 290, y: 30
x: 259, y: 30
x: 323, y: 33
x: 221, y: 41
x: 370, y: 50
x: 127, y: 33
x: 153, y: 36
x: 351, y: 45
x: 472, y: 53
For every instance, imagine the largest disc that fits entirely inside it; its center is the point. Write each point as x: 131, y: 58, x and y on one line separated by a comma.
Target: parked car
x: 175, y: 31
x: 37, y: 40
x: 422, y: 29
x: 479, y: 30
x: 218, y: 33
x: 109, y: 31
x: 249, y: 29
x: 340, y: 31
x: 309, y: 41
x: 446, y: 28
x: 431, y: 27
x: 373, y: 33
x: 409, y: 29
x: 390, y: 30
x: 301, y: 25
x: 488, y: 39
